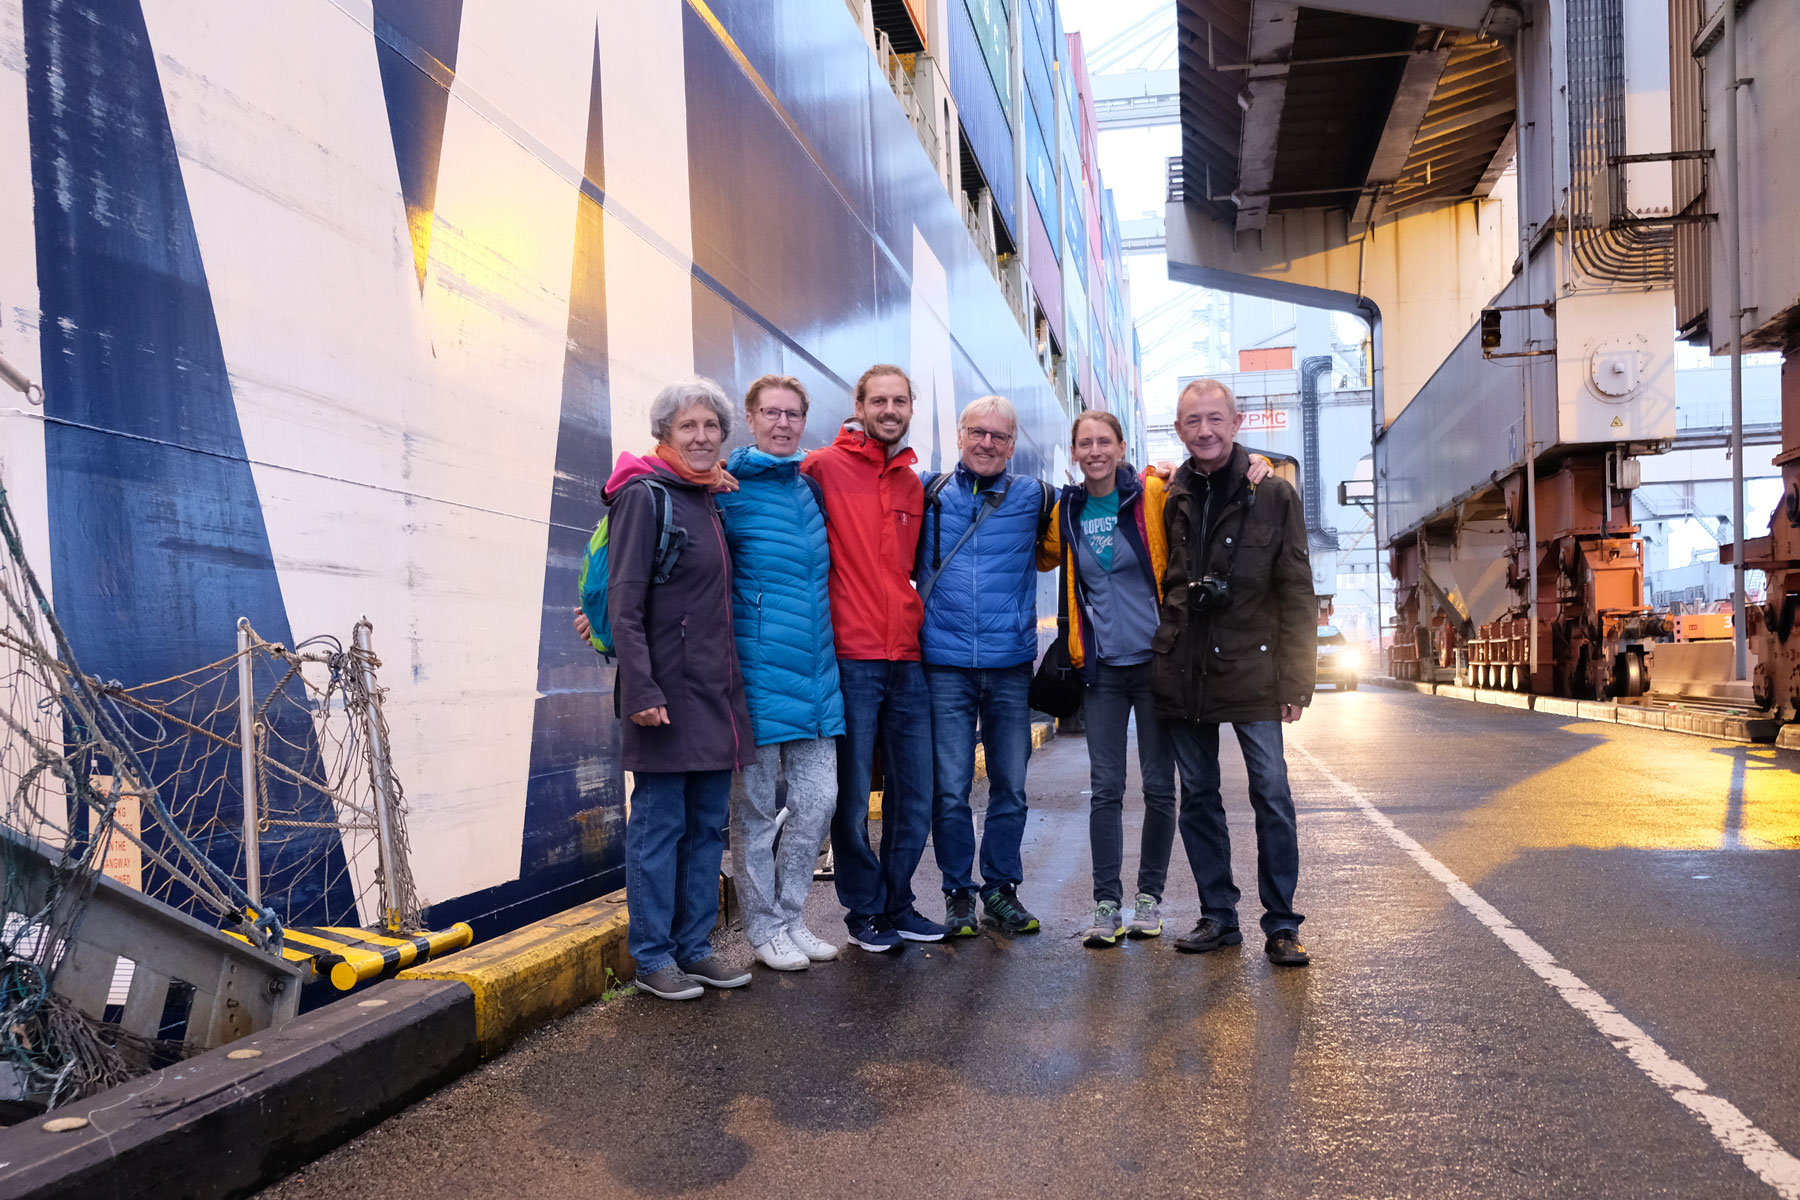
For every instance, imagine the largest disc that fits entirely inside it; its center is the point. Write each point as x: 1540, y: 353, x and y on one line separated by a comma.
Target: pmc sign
x: 1266, y: 420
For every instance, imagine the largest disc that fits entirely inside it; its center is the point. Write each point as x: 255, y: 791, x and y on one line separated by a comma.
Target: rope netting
x: 148, y: 783
x: 317, y: 774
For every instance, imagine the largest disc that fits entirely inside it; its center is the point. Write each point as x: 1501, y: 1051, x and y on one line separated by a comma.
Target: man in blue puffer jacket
x: 782, y: 613
x: 978, y: 575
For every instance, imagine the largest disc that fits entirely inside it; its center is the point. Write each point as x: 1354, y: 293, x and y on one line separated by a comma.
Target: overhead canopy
x: 1356, y: 105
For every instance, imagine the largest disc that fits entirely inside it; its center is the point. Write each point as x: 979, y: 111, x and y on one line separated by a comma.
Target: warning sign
x: 1617, y: 424
x: 124, y: 859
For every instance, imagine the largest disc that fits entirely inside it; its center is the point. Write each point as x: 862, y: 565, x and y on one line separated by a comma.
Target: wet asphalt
x: 1418, y: 1056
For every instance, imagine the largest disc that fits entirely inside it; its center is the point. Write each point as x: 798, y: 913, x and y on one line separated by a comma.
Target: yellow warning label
x: 1618, y: 424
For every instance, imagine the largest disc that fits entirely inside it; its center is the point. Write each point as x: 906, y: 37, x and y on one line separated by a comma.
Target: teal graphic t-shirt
x: 1099, y: 521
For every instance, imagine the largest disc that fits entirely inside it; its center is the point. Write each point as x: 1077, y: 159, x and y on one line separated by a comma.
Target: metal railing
x: 976, y: 219
x: 900, y: 79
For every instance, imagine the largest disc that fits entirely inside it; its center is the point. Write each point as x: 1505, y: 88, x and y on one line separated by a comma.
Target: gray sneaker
x: 1146, y: 918
x: 1107, y: 928
x: 670, y: 983
x: 714, y: 973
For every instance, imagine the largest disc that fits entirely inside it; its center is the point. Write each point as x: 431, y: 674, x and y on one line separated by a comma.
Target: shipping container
x: 1046, y: 276
x: 984, y: 104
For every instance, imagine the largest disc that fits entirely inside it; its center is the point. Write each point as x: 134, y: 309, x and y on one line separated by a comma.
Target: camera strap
x: 1231, y: 555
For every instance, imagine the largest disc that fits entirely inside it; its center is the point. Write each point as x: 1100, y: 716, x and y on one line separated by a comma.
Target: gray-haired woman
x: 678, y: 688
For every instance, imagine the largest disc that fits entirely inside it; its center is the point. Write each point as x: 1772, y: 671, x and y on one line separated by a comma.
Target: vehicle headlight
x: 1351, y: 659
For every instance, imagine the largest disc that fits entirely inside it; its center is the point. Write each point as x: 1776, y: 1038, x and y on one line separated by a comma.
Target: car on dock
x: 1340, y: 663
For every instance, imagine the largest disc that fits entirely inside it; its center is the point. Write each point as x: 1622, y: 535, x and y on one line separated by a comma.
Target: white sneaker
x: 780, y: 954
x: 810, y: 944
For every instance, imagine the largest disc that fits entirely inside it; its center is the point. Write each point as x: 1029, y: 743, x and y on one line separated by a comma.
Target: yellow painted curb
x: 533, y: 975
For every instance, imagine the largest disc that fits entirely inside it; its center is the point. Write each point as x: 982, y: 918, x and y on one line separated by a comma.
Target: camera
x: 1209, y: 593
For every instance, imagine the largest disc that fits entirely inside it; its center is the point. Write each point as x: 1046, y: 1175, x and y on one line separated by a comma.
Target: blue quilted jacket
x: 982, y: 612
x: 779, y: 568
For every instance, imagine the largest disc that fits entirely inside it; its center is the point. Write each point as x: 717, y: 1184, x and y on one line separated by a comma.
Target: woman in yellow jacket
x: 1108, y: 534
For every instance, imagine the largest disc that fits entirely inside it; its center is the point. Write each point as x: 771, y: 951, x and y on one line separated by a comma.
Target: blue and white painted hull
x: 345, y: 307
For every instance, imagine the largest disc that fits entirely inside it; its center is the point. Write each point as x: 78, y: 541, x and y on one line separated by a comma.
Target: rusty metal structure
x: 1490, y: 184
x: 1738, y: 279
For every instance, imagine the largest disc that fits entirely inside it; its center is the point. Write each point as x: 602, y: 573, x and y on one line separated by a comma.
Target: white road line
x: 1730, y: 1127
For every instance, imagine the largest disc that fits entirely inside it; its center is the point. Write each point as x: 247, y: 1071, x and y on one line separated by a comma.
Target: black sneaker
x: 1002, y: 909
x: 959, y: 913
x: 1284, y: 949
x: 1208, y: 934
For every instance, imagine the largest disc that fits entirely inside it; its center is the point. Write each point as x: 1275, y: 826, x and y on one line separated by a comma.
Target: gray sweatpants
x: 772, y: 888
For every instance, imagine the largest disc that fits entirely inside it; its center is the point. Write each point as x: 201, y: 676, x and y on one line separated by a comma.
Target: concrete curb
x: 1401, y: 685
x: 1723, y: 727
x: 531, y: 976
x: 221, y: 1124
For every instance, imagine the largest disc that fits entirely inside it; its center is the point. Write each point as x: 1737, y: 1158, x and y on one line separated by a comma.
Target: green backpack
x: 594, y: 567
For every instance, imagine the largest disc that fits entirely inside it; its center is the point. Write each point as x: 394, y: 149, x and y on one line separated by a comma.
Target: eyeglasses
x: 776, y: 416
x: 988, y: 435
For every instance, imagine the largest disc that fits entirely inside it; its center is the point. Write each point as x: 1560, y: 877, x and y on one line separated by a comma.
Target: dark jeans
x: 1203, y: 831
x: 673, y: 843
x: 996, y: 697
x: 1107, y: 707
x: 885, y: 703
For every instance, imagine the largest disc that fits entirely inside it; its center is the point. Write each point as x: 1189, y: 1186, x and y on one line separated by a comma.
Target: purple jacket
x: 674, y: 640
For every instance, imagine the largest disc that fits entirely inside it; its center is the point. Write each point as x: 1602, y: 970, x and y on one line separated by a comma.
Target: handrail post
x: 247, y: 759
x: 378, y: 767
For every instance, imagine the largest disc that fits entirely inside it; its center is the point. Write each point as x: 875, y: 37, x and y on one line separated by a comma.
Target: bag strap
x: 932, y: 491
x: 668, y: 551
x: 986, y: 505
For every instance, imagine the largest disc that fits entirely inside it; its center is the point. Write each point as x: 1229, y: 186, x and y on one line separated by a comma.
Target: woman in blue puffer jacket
x: 780, y: 564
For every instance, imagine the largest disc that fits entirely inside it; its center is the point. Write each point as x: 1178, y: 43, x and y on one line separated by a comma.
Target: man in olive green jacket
x: 1238, y: 643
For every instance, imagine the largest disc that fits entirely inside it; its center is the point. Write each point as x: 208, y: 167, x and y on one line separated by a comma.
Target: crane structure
x: 1518, y: 196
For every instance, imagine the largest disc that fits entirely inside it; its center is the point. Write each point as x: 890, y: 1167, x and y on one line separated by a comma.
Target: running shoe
x: 1107, y: 928
x: 1146, y: 918
x: 872, y: 934
x: 915, y: 926
x: 1001, y: 907
x: 959, y: 913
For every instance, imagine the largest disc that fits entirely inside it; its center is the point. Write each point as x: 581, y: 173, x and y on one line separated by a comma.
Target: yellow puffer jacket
x: 1141, y: 502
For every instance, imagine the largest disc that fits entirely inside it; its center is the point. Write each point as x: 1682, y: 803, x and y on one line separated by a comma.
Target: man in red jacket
x: 873, y: 504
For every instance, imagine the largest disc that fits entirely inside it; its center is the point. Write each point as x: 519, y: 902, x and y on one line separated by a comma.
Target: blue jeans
x: 1203, y: 831
x: 884, y: 704
x: 674, y: 841
x: 996, y: 696
x: 1114, y: 694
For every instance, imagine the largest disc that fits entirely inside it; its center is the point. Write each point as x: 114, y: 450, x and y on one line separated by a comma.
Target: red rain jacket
x: 873, y: 505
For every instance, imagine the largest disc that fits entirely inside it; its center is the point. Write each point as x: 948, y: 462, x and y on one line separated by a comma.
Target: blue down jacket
x: 982, y: 612
x: 780, y: 567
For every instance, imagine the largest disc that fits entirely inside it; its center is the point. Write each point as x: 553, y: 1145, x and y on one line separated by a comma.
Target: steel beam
x: 1272, y: 25
x: 1418, y: 85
